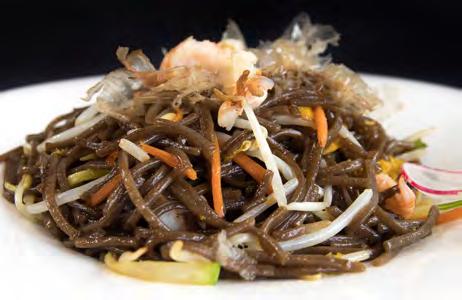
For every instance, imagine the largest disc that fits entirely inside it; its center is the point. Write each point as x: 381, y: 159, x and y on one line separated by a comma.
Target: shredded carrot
x: 250, y: 166
x: 104, y: 191
x: 217, y: 194
x: 320, y: 121
x: 450, y: 216
x: 190, y: 173
x: 168, y: 159
x: 255, y: 170
x: 111, y: 158
x: 178, y: 115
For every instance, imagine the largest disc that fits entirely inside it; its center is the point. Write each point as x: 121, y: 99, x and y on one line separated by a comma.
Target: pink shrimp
x: 402, y: 203
x: 226, y: 59
x: 384, y: 182
x: 191, y: 52
x: 234, y: 68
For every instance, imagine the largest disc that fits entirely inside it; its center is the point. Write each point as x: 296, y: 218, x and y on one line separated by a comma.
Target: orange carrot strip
x: 217, y: 194
x: 168, y: 159
x: 111, y: 158
x: 178, y: 115
x: 104, y: 191
x: 320, y: 121
x: 450, y: 216
x: 255, y: 170
x: 190, y: 173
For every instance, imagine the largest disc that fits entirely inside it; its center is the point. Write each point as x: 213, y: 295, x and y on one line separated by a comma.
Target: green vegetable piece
x: 419, y: 144
x: 85, y: 175
x: 450, y: 205
x: 10, y: 187
x: 199, y: 273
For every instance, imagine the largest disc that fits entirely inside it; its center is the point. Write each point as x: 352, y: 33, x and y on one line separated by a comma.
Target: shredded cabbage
x: 134, y: 150
x: 283, y: 167
x: 71, y: 133
x: 289, y: 187
x: 314, y: 206
x: 311, y: 239
x: 23, y: 185
x: 267, y: 156
x: 65, y: 197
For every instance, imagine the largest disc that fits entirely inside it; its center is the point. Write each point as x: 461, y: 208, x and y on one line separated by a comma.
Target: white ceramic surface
x: 34, y: 266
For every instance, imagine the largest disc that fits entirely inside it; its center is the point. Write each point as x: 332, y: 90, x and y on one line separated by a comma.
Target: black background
x: 47, y: 41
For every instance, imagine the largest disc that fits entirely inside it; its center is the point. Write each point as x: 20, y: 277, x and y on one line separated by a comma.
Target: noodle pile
x: 140, y: 177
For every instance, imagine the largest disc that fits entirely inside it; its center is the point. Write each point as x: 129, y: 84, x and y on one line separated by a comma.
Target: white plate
x: 33, y: 265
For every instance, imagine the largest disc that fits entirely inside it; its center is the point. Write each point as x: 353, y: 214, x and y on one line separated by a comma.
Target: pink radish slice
x: 443, y: 185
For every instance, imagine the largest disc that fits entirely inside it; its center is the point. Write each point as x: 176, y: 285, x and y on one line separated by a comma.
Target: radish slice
x: 441, y: 185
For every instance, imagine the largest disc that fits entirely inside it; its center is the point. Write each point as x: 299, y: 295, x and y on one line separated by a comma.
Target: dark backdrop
x: 48, y: 41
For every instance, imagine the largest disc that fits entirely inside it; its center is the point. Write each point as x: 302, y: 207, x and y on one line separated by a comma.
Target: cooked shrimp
x: 235, y: 70
x: 253, y: 90
x: 403, y: 203
x: 384, y: 182
x: 257, y: 90
x: 227, y: 59
x: 228, y: 113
